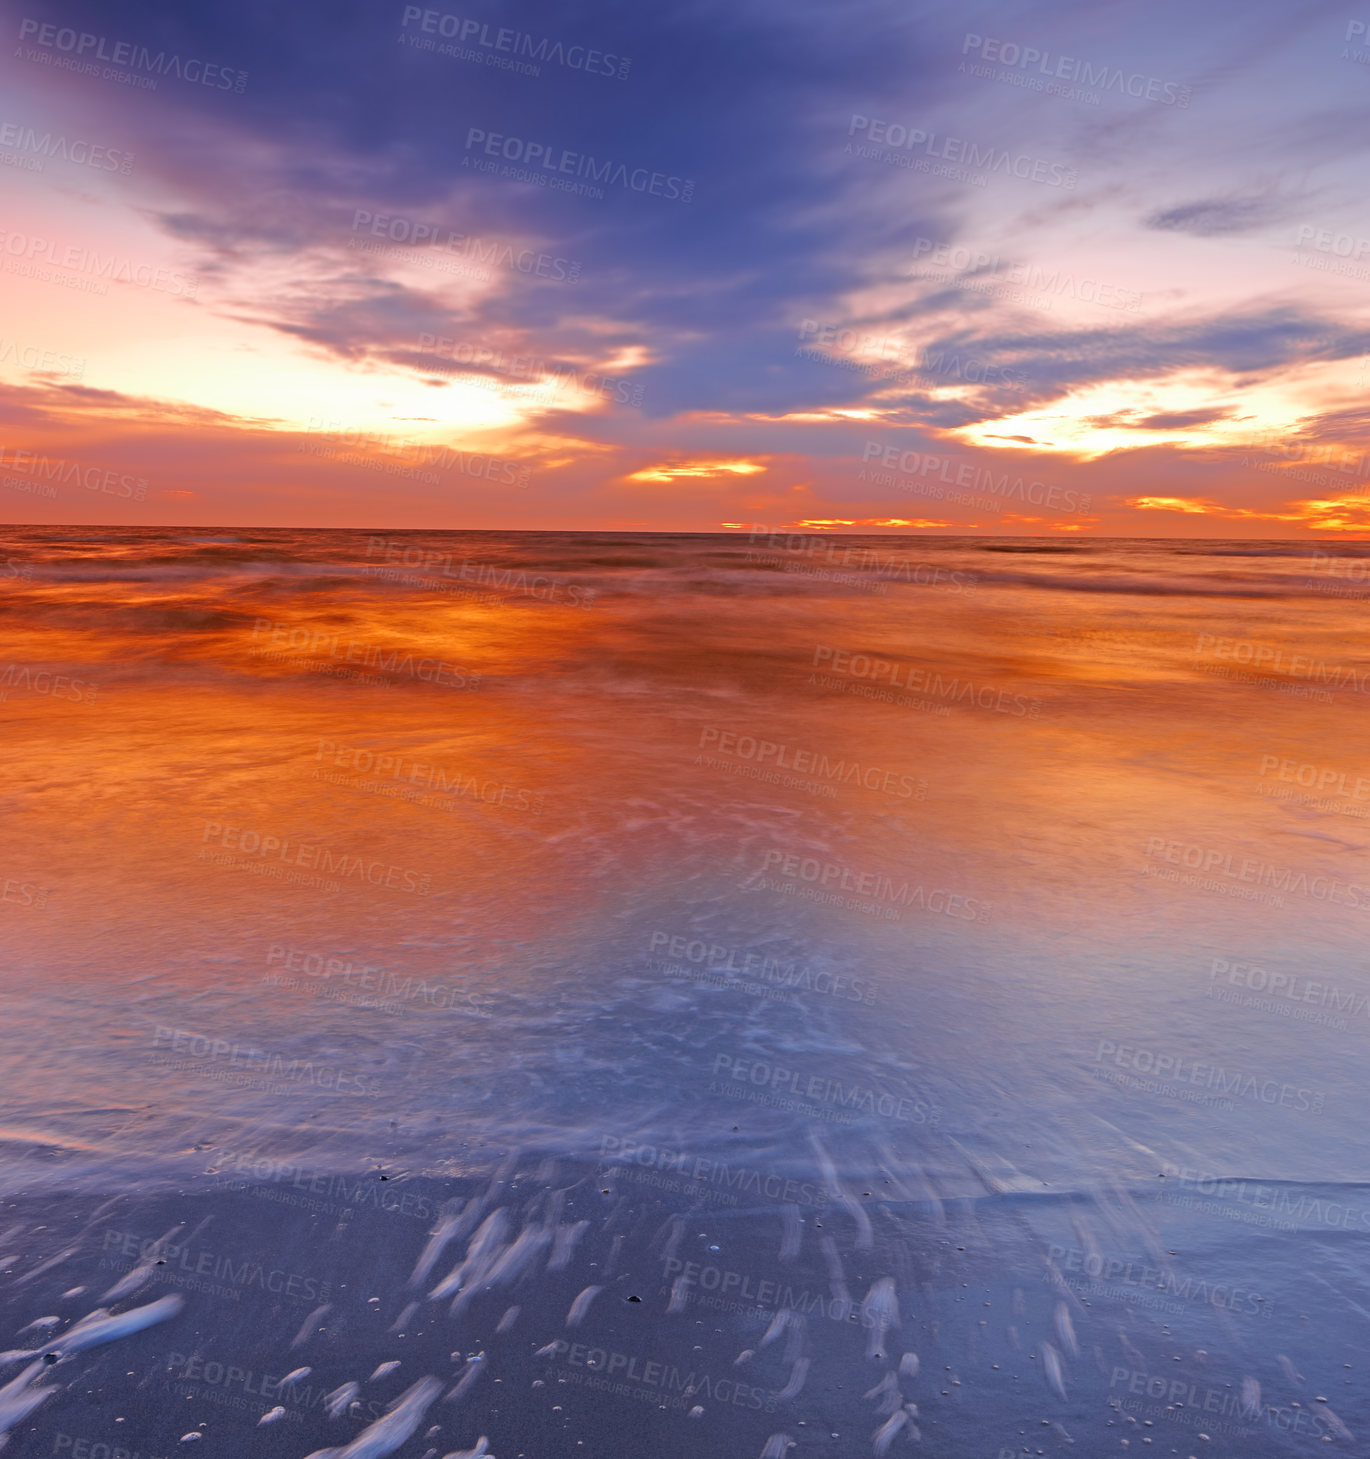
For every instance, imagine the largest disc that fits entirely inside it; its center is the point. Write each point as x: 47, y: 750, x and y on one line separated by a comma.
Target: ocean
x: 589, y: 994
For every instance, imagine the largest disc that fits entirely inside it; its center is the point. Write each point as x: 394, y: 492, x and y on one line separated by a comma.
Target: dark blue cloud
x: 1249, y: 343
x: 1218, y: 217
x: 750, y: 101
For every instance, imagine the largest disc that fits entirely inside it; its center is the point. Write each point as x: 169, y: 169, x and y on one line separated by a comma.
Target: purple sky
x: 1025, y: 269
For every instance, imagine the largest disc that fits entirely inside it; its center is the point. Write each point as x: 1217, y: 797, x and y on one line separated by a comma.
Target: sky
x: 876, y: 266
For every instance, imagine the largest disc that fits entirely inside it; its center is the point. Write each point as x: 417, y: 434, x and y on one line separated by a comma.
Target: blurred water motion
x: 982, y: 919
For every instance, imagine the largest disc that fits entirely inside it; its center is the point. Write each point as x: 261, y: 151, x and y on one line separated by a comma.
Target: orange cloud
x: 697, y: 468
x: 1325, y: 515
x: 823, y: 522
x: 1174, y: 504
x: 1334, y: 515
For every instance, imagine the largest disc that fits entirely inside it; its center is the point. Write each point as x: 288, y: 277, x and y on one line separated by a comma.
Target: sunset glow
x: 1138, y: 305
x: 684, y: 715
